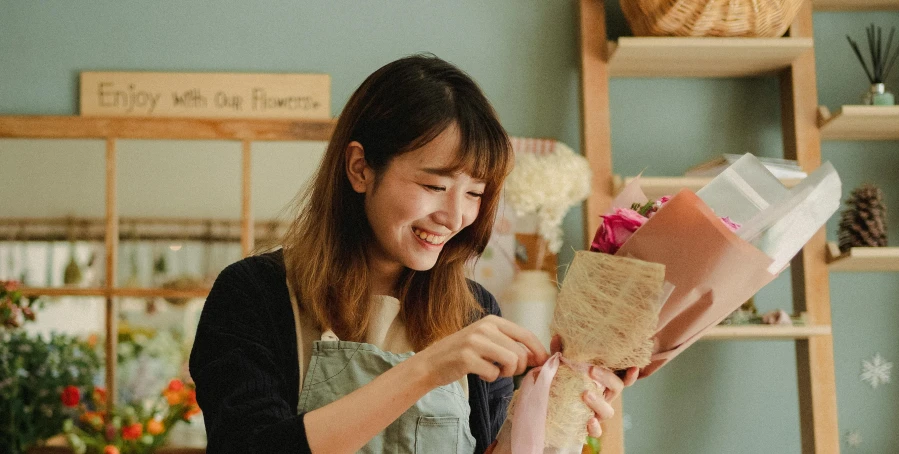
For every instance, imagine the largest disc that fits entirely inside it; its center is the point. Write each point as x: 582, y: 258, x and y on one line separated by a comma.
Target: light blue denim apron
x: 436, y: 424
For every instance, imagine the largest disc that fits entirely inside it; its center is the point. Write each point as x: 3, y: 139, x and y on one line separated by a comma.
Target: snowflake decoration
x: 877, y: 371
x: 626, y: 422
x: 854, y: 438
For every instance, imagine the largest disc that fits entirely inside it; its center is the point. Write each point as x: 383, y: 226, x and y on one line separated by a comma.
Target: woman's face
x: 418, y: 205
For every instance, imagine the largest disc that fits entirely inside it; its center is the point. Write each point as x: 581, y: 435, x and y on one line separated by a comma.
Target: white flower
x: 548, y: 185
x: 877, y: 371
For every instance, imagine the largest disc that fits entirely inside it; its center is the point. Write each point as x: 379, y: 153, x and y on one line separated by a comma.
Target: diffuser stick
x: 886, y: 53
x: 861, y: 59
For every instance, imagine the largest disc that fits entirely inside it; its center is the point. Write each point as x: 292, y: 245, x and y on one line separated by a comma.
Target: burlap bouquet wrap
x: 606, y: 315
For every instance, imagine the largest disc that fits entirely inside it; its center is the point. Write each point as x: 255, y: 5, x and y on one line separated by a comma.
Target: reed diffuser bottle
x: 883, y: 58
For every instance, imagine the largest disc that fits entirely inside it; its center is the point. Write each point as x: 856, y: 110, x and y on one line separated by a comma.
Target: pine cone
x: 863, y: 222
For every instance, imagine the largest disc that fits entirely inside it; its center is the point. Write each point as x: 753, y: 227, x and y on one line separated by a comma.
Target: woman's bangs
x: 484, y: 156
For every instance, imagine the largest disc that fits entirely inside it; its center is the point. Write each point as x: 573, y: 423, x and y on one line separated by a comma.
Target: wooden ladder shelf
x: 792, y: 60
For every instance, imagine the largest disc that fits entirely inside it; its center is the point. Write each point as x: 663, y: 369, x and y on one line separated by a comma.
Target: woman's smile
x: 430, y: 238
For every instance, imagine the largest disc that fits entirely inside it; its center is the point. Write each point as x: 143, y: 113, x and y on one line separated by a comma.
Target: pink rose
x: 615, y: 230
x: 733, y: 226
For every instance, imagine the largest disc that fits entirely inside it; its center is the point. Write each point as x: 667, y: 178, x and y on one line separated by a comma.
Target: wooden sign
x: 205, y: 95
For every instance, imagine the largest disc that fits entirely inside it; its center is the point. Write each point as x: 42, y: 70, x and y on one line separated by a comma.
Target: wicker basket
x: 751, y: 18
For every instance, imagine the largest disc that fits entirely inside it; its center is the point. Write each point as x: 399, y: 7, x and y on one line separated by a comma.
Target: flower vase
x: 529, y: 301
x: 878, y: 95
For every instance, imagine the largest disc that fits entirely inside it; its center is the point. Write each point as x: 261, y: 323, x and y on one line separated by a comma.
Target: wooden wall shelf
x: 703, y: 57
x: 855, y: 5
x: 859, y: 123
x: 655, y: 187
x: 116, y: 292
x: 765, y: 332
x: 863, y: 258
x: 72, y: 127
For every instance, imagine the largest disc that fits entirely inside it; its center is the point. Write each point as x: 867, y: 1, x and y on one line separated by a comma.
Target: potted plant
x: 35, y: 372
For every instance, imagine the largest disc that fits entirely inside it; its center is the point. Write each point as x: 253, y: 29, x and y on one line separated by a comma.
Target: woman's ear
x: 357, y: 170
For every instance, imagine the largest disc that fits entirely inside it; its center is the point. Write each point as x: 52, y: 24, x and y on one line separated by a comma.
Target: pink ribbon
x: 529, y: 420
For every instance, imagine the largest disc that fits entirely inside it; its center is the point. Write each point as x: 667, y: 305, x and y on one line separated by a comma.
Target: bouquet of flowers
x: 33, y: 373
x: 129, y: 429
x: 678, y: 269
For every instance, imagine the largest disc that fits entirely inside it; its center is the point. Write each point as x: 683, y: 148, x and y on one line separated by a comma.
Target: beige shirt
x: 387, y: 332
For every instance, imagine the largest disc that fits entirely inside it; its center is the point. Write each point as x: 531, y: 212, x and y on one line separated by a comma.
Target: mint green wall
x: 734, y: 397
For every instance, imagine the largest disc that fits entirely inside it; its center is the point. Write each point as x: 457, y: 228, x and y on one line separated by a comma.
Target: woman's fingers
x: 522, y: 335
x: 519, y: 350
x: 607, y: 378
x: 632, y: 375
x: 593, y: 428
x: 599, y: 405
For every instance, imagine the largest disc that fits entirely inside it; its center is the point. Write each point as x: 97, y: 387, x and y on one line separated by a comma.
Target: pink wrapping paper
x: 713, y: 271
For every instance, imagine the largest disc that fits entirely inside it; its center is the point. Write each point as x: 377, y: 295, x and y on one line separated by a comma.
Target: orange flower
x: 192, y: 397
x: 99, y: 396
x: 191, y: 412
x: 174, y: 397
x: 155, y: 427
x: 70, y: 396
x: 132, y: 431
x: 110, y: 449
x: 92, y: 340
x: 93, y: 419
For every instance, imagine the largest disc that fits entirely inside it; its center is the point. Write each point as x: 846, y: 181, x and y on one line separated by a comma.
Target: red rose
x: 132, y: 431
x: 70, y: 396
x: 616, y: 228
x: 176, y: 385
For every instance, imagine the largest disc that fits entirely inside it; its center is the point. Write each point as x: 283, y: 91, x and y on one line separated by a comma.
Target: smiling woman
x: 362, y: 334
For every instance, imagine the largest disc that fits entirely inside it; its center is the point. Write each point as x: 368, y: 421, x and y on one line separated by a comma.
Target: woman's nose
x: 452, y: 213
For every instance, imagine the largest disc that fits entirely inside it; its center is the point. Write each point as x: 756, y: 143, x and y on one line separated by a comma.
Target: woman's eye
x: 476, y: 194
x: 435, y: 188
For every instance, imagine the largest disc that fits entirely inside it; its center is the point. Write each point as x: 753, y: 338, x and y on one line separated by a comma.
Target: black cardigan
x: 244, y: 363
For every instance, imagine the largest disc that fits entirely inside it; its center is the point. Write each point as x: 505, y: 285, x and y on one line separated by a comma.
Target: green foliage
x: 33, y: 373
x: 592, y: 446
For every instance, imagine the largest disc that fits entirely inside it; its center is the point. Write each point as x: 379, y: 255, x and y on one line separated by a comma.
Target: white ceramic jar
x: 529, y: 301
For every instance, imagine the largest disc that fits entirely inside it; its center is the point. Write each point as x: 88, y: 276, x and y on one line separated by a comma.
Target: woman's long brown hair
x: 399, y: 108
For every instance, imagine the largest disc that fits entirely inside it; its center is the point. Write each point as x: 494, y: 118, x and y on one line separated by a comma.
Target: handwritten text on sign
x: 205, y: 95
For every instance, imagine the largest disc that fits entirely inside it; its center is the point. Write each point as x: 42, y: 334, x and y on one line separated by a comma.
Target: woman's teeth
x: 428, y: 237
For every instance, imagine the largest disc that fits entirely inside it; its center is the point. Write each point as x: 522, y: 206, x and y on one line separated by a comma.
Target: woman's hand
x: 601, y: 406
x: 492, y: 347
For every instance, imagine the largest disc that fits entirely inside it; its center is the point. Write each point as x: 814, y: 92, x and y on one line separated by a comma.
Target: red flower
x: 176, y: 385
x: 110, y: 449
x: 132, y: 431
x: 70, y: 396
x: 11, y: 286
x: 616, y: 228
